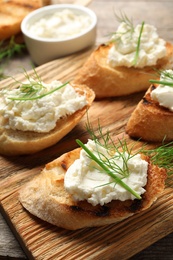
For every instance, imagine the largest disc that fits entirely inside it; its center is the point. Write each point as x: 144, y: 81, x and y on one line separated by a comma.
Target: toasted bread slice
x: 26, y: 142
x: 45, y: 197
x: 150, y: 121
x: 107, y: 81
x: 12, y: 13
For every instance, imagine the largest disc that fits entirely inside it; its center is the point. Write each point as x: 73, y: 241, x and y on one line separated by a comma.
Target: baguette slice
x: 150, y: 121
x: 26, y: 142
x: 45, y: 197
x: 107, y: 81
x: 12, y: 13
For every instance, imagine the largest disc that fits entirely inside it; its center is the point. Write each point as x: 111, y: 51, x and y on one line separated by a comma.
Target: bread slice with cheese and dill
x: 16, y: 142
x: 45, y: 197
x: 108, y: 81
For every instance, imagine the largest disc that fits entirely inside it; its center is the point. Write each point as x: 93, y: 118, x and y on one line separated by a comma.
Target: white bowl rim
x: 55, y: 7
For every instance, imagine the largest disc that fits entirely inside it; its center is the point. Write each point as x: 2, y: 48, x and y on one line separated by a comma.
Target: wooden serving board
x: 41, y: 240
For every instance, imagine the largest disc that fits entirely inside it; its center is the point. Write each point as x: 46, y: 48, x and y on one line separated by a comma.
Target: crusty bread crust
x: 45, y: 197
x: 26, y: 142
x: 150, y: 121
x: 107, y: 81
x: 12, y: 13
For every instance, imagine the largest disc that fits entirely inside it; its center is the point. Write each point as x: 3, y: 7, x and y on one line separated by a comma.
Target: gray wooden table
x: 158, y: 13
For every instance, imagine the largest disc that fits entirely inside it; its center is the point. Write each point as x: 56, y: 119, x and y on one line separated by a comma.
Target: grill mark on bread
x: 104, y: 211
x: 64, y: 165
x: 131, y: 206
x: 136, y: 205
x: 98, y: 211
x: 153, y: 87
x: 76, y: 208
x: 145, y: 101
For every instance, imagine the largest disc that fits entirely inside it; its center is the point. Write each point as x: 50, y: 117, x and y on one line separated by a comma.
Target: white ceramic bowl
x: 42, y: 49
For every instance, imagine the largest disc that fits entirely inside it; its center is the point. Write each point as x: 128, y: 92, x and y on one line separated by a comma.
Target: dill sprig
x: 8, y: 50
x: 31, y: 89
x: 116, y: 36
x: 167, y: 81
x: 162, y: 156
x: 123, y: 19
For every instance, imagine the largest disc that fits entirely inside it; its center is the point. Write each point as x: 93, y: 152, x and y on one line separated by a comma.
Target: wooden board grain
x: 41, y: 240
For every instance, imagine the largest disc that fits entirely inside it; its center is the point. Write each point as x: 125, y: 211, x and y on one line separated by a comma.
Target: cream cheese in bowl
x: 58, y: 30
x: 61, y: 25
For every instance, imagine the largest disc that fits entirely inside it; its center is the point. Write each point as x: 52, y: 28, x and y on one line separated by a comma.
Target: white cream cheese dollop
x: 163, y: 94
x: 84, y: 180
x: 60, y: 25
x: 122, y: 53
x: 40, y: 115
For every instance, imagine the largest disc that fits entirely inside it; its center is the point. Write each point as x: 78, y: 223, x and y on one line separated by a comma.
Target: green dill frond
x: 99, y: 135
x: 123, y: 18
x: 2, y: 75
x: 167, y: 81
x: 105, y: 140
x: 162, y: 156
x: 116, y: 36
x: 10, y: 49
x: 31, y: 89
x: 166, y: 74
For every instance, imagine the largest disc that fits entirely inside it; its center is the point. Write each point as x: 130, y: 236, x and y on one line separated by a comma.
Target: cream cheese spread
x: 40, y: 115
x: 85, y: 180
x: 123, y: 52
x: 60, y: 25
x: 163, y: 94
